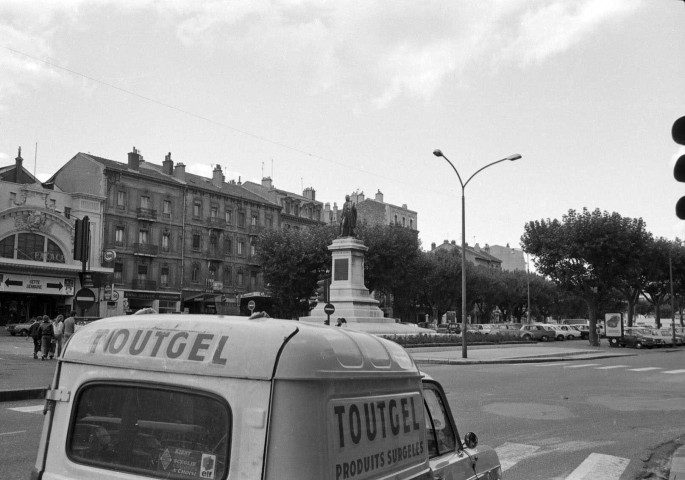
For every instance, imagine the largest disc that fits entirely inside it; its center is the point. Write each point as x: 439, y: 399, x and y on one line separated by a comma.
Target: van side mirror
x: 471, y: 440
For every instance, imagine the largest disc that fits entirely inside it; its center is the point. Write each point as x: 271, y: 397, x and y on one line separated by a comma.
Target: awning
x: 203, y: 298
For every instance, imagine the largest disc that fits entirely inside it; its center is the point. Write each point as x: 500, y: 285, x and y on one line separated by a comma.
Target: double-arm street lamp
x: 439, y: 153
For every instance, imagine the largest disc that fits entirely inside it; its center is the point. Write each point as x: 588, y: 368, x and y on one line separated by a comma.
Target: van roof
x: 237, y: 347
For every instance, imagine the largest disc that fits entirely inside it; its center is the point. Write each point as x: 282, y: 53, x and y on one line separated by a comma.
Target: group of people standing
x: 49, y: 335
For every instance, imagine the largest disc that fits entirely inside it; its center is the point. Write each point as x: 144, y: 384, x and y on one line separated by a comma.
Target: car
x: 584, y: 331
x: 428, y: 325
x: 571, y: 331
x: 559, y: 332
x: 454, y: 328
x: 636, y: 337
x: 537, y: 332
x: 667, y: 335
x: 20, y: 328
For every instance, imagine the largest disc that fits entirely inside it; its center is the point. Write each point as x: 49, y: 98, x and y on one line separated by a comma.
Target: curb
x: 439, y: 361
x: 22, y: 394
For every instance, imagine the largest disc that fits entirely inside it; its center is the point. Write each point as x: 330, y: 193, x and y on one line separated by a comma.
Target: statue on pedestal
x: 348, y: 219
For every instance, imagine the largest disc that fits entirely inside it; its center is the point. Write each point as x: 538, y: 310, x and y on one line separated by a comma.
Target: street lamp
x: 438, y: 153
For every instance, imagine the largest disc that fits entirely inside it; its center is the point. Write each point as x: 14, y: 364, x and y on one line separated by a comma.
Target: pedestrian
x: 34, y: 333
x: 69, y: 326
x: 46, y: 333
x: 59, y: 333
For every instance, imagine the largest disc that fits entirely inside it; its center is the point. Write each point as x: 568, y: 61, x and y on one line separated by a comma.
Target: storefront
x: 162, y: 302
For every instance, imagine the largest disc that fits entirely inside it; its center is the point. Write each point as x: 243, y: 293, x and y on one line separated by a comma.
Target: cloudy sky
x: 347, y: 96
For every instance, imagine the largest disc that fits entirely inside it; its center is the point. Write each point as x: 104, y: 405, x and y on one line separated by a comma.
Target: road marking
x: 597, y: 465
x: 12, y: 433
x: 611, y: 367
x: 584, y: 365
x: 31, y: 409
x: 511, y: 453
x: 644, y: 369
x: 674, y: 371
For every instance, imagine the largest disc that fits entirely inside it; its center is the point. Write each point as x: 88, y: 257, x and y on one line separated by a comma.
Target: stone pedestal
x: 349, y: 296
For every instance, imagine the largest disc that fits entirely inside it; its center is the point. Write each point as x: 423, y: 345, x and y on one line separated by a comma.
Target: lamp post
x: 438, y: 153
x: 528, y: 286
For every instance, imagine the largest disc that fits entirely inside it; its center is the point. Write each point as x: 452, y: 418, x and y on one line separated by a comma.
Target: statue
x: 348, y: 218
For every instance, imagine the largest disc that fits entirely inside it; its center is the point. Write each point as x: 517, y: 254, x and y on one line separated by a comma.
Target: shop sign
x: 10, y: 282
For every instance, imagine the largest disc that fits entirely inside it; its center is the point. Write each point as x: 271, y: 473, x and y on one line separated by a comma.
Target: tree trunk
x: 592, y: 312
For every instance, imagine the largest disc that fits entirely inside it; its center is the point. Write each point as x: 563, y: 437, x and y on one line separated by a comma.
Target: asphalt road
x: 620, y: 418
x: 21, y: 424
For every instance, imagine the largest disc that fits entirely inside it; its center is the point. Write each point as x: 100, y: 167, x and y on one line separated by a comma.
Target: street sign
x: 115, y: 295
x: 84, y: 298
x: 251, y: 305
x: 329, y: 309
x: 107, y: 292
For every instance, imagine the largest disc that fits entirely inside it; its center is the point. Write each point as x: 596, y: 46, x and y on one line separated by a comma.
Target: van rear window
x: 155, y: 431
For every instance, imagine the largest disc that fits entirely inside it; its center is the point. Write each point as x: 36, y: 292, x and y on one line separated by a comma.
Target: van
x: 212, y: 397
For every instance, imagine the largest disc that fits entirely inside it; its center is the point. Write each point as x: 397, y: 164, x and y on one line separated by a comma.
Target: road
x: 620, y: 418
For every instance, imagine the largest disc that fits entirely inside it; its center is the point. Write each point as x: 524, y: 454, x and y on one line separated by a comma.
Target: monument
x: 348, y: 294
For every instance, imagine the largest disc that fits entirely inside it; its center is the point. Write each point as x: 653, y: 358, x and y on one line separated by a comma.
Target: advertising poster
x: 613, y: 325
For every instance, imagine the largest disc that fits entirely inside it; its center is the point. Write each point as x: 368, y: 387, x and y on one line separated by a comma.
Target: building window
x: 253, y: 220
x: 30, y: 246
x: 118, y: 273
x: 196, y: 273
x: 228, y: 275
x: 212, y: 271
x: 229, y: 216
x: 144, y: 202
x: 119, y: 237
x: 253, y: 281
x: 67, y: 212
x: 121, y: 199
x: 241, y: 219
x: 241, y: 247
x: 166, y: 208
x: 240, y: 278
x: 404, y: 223
x: 228, y: 246
x: 54, y: 253
x: 143, y: 237
x: 166, y: 236
x: 197, y: 208
x: 53, y: 204
x: 269, y: 222
x: 395, y: 219
x: 164, y: 276
x: 252, y: 250
x: 411, y: 223
x: 142, y: 273
x: 13, y: 199
x: 197, y: 242
x: 7, y: 247
x: 213, y: 212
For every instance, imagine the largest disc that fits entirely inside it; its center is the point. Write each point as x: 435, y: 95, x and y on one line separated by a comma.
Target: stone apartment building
x: 38, y: 273
x: 375, y: 211
x: 477, y: 255
x: 512, y: 258
x: 182, y: 242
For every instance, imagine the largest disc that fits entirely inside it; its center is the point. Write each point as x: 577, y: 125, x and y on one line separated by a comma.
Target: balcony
x: 215, y: 254
x: 216, y: 222
x: 145, y: 249
x: 146, y: 214
x: 144, y: 285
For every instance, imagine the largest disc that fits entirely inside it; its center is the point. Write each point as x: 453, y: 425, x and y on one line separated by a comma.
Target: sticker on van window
x: 368, y: 435
x: 189, y: 463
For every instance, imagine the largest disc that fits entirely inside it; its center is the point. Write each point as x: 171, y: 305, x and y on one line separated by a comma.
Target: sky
x: 347, y: 96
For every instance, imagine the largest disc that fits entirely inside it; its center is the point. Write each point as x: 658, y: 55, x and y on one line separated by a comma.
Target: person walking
x: 47, y: 331
x: 34, y: 333
x: 69, y: 326
x: 59, y: 332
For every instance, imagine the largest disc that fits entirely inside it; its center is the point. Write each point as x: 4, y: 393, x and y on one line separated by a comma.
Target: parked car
x: 667, y: 335
x: 584, y: 331
x: 454, y: 328
x: 20, y: 328
x: 537, y: 332
x: 636, y: 337
x: 572, y: 331
x: 429, y: 325
x: 559, y: 332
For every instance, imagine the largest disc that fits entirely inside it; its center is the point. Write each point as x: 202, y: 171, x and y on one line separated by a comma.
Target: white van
x: 210, y: 397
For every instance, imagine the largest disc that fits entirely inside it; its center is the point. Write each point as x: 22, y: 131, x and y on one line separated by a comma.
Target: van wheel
x: 560, y: 337
x: 527, y: 337
x: 613, y: 342
x: 638, y: 345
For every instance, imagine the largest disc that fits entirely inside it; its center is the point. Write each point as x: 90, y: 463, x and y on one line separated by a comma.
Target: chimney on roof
x: 454, y: 242
x: 379, y: 196
x: 432, y: 246
x: 217, y: 177
x: 168, y: 164
x: 266, y: 183
x: 134, y: 159
x: 404, y: 206
x: 309, y: 193
x: 180, y: 171
x: 18, y: 167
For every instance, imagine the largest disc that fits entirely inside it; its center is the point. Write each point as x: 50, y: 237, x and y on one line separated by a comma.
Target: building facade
x: 477, y: 255
x: 38, y: 273
x: 375, y: 212
x: 181, y: 242
x: 512, y: 258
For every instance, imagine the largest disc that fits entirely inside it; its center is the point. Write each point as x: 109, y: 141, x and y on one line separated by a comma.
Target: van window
x: 152, y: 430
x: 439, y: 431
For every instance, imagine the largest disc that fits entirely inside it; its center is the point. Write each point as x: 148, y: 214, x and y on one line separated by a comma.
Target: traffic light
x: 81, y: 239
x: 678, y: 134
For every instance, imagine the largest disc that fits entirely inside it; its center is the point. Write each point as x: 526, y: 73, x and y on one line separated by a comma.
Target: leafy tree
x: 657, y: 285
x: 292, y: 262
x: 584, y: 253
x: 441, y: 286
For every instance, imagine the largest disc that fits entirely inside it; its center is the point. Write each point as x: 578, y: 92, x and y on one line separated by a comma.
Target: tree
x: 657, y: 285
x: 584, y: 253
x: 292, y: 262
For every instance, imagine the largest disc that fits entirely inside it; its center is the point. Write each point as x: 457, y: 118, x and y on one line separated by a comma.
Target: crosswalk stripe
x: 511, y: 453
x: 612, y: 367
x: 644, y: 369
x: 31, y: 409
x: 584, y: 365
x: 674, y: 371
x: 597, y: 465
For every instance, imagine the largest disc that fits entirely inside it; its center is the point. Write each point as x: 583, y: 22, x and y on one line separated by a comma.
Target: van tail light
x: 36, y: 474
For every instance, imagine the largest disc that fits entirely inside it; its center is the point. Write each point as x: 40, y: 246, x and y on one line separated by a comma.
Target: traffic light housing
x: 82, y: 239
x: 678, y: 134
